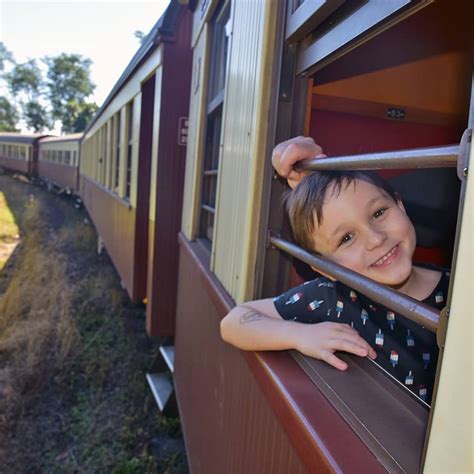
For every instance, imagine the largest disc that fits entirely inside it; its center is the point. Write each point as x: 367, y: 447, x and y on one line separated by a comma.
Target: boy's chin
x: 394, y: 277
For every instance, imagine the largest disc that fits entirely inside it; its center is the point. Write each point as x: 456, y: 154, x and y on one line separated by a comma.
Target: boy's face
x: 365, y: 230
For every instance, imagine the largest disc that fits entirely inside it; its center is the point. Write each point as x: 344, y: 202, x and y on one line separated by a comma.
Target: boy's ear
x: 323, y: 274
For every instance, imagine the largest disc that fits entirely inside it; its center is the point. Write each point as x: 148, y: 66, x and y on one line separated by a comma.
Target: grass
x: 73, y: 352
x: 9, y: 231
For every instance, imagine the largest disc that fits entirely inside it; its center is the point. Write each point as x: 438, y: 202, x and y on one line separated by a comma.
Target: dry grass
x: 9, y: 231
x: 37, y: 330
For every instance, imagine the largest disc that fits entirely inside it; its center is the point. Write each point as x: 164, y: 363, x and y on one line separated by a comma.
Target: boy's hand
x: 321, y: 340
x: 287, y: 154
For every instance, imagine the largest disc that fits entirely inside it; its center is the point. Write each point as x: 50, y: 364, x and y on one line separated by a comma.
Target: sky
x: 102, y: 30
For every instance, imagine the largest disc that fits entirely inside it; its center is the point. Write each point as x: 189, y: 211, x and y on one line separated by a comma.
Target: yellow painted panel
x: 451, y: 442
x: 243, y: 156
x: 137, y: 106
x: 196, y: 137
x: 155, y: 142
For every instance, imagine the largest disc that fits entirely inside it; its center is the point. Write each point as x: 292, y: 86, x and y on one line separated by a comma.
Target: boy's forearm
x: 249, y: 329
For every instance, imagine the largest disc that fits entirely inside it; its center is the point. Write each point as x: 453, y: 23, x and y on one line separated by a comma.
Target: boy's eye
x: 380, y: 212
x: 346, y: 238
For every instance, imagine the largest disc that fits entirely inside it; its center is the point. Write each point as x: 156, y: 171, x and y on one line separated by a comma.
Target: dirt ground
x: 73, y: 352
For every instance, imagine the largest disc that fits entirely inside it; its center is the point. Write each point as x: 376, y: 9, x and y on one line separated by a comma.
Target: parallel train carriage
x: 19, y: 152
x: 58, y: 161
x: 132, y: 167
x: 371, y: 81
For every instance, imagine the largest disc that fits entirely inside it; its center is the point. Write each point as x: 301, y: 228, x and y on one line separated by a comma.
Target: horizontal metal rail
x: 405, y: 305
x: 436, y: 157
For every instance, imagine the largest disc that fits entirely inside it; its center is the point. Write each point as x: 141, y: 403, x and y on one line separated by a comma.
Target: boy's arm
x: 287, y: 154
x: 257, y: 326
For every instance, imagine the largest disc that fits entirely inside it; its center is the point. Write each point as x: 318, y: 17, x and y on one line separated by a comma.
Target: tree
x: 87, y: 112
x: 36, y: 116
x: 68, y: 85
x: 77, y: 115
x: 25, y: 78
x: 5, y: 56
x: 8, y: 116
x: 26, y: 84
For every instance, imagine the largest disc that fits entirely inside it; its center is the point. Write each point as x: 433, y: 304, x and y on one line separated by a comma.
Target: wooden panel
x: 452, y: 435
x: 14, y: 165
x: 63, y: 175
x: 243, y: 153
x: 170, y: 166
x: 114, y: 220
x: 246, y: 412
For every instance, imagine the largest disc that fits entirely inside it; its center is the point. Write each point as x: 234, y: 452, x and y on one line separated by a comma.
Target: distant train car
x: 19, y: 152
x: 132, y: 166
x: 58, y: 161
x: 361, y: 78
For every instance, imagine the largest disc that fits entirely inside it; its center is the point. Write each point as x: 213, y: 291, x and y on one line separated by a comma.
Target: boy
x: 356, y: 220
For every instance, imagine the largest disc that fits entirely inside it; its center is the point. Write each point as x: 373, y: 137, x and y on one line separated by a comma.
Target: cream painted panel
x: 196, y: 137
x: 155, y: 142
x: 243, y: 156
x: 132, y: 88
x: 108, y: 156
x: 451, y: 441
x: 137, y: 106
x: 123, y: 152
x: 202, y: 16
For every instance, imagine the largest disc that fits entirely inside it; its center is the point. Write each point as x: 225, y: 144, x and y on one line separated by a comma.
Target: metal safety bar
x: 405, y: 305
x: 436, y: 157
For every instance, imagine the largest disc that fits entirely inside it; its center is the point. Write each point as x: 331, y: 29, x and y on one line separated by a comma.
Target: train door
x: 143, y: 186
x: 375, y: 77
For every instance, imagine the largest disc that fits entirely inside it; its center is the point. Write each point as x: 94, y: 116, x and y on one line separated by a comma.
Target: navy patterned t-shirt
x: 404, y: 349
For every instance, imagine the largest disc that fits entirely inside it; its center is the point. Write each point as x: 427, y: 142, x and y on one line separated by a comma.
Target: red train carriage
x: 19, y: 152
x: 132, y: 166
x: 58, y: 161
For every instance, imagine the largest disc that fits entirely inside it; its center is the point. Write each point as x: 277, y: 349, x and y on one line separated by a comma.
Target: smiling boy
x: 356, y: 220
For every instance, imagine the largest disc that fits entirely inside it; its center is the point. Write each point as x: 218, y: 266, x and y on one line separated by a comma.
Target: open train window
x: 405, y: 88
x: 215, y: 105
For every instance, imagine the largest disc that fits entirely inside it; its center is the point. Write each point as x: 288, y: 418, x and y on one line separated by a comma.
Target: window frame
x: 214, y: 109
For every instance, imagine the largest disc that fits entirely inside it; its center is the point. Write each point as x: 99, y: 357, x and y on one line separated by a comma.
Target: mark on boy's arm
x: 250, y: 316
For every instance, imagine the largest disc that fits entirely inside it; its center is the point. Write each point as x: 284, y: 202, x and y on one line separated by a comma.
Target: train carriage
x: 19, y: 152
x: 58, y: 161
x: 132, y: 167
x: 385, y: 85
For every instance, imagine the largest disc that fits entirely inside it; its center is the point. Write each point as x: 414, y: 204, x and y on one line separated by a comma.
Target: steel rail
x: 405, y: 305
x: 436, y: 157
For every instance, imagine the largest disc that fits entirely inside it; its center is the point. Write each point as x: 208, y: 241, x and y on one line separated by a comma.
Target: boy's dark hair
x: 305, y: 202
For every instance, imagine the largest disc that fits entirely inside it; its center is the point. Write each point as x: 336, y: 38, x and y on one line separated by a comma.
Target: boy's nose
x: 375, y: 237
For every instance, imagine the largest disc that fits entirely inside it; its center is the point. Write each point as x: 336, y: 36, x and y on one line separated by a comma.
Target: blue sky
x: 102, y: 30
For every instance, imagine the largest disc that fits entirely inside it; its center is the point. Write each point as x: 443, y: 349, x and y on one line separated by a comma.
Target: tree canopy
x: 8, y: 116
x: 57, y: 91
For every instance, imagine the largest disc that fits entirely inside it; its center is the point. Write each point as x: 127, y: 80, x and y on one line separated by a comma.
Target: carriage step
x: 167, y: 352
x: 162, y: 389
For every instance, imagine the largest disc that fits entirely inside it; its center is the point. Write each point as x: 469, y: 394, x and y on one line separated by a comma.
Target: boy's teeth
x: 387, y: 255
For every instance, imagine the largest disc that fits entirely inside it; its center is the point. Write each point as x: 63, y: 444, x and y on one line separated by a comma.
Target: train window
x: 74, y: 159
x: 215, y: 103
x: 67, y: 157
x: 60, y: 156
x: 129, y: 148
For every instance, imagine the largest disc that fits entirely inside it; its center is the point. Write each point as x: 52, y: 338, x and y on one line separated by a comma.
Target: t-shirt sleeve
x: 307, y: 303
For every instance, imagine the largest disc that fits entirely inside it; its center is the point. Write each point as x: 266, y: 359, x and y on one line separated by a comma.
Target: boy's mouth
x: 387, y: 259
